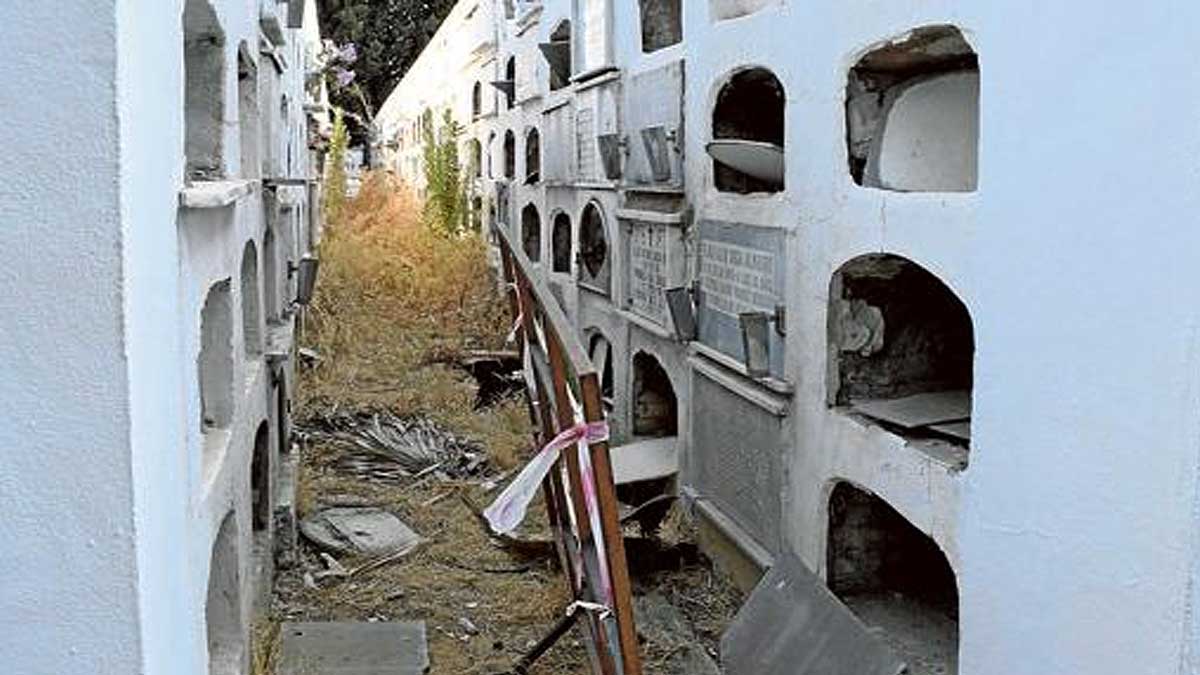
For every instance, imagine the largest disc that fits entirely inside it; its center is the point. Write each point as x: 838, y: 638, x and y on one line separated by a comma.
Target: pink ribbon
x: 507, y: 512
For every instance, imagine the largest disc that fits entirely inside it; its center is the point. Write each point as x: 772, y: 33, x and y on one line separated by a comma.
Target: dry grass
x: 395, y: 302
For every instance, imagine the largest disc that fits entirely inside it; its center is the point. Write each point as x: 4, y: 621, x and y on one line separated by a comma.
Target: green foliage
x: 335, y: 169
x: 389, y: 34
x: 446, y: 199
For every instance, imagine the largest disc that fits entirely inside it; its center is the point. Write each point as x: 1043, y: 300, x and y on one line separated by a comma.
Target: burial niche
x: 895, y: 578
x: 215, y: 363
x: 531, y: 233
x: 595, y: 268
x: 902, y: 347
x: 560, y: 240
x: 912, y: 114
x: 748, y: 133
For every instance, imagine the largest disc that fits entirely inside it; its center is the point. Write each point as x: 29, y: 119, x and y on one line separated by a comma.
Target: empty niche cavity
x: 557, y: 53
x: 252, y: 336
x: 476, y: 157
x: 902, y: 349
x: 204, y: 91
x: 215, y: 363
x: 260, y: 478
x: 895, y: 578
x: 476, y: 100
x: 594, y: 268
x: 531, y: 233
x: 600, y: 352
x: 721, y: 10
x: 748, y: 133
x: 662, y: 24
x: 560, y: 243
x: 509, y: 90
x: 226, y: 635
x: 248, y: 113
x: 533, y: 157
x: 912, y: 114
x: 510, y: 154
x: 655, y: 407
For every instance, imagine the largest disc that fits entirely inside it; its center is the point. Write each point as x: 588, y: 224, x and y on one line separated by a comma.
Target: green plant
x: 446, y: 199
x: 335, y: 169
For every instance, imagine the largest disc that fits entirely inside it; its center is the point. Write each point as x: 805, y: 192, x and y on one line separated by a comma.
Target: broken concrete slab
x: 359, y: 531
x: 353, y: 648
x: 918, y: 410
x: 645, y: 459
x: 793, y: 625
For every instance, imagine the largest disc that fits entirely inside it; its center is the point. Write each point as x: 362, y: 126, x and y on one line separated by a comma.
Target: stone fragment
x: 359, y: 531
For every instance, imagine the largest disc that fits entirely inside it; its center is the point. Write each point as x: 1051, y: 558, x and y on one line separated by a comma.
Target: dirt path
x: 394, y: 308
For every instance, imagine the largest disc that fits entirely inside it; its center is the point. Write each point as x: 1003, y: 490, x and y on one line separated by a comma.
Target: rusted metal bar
x: 568, y: 364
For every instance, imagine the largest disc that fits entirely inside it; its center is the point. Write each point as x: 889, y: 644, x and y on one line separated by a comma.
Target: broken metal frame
x: 560, y: 361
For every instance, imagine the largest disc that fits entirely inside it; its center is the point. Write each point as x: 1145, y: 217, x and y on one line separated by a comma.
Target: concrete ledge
x: 214, y: 194
x: 729, y: 546
x: 737, y: 383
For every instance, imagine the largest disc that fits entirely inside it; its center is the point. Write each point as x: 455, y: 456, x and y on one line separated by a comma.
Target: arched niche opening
x: 475, y: 152
x: 748, y: 133
x: 215, y: 363
x: 271, y: 275
x: 912, y: 114
x: 655, y: 407
x: 476, y: 100
x: 510, y: 75
x: 533, y: 157
x: 260, y: 478
x: 204, y: 91
x: 531, y: 232
x: 895, y: 578
x: 510, y: 154
x: 558, y: 54
x: 226, y: 634
x: 902, y: 349
x: 477, y: 213
x: 252, y: 326
x: 595, y: 255
x: 248, y: 112
x: 560, y: 243
x: 601, y: 353
x: 662, y: 24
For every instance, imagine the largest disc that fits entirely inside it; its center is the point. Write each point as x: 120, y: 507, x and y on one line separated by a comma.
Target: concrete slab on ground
x: 793, y: 625
x: 353, y: 648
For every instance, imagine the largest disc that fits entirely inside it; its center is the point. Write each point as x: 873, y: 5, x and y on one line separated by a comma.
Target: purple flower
x: 344, y: 77
x: 348, y: 53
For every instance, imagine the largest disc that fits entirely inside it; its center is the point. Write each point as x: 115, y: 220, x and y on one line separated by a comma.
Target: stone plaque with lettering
x: 648, y: 271
x: 741, y: 269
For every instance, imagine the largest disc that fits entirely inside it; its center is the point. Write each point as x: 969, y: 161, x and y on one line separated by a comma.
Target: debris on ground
x: 383, y: 446
x: 362, y: 648
x: 359, y: 531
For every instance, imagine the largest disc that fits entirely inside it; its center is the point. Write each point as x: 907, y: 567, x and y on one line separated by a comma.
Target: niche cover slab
x: 757, y: 159
x: 793, y: 625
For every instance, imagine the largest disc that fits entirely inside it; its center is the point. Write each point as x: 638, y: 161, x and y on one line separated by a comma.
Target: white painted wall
x: 107, y: 510
x: 66, y: 428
